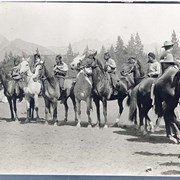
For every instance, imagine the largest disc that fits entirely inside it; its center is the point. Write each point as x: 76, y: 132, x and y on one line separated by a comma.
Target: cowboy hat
x: 168, y: 59
x: 91, y: 53
x: 167, y: 43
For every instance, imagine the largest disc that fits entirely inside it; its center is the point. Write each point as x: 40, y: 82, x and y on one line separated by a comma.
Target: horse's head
x: 128, y: 68
x: 40, y: 70
x: 132, y: 67
x: 24, y: 66
x: 76, y: 62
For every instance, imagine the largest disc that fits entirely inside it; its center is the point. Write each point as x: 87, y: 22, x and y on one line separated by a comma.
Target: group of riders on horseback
x: 118, y: 88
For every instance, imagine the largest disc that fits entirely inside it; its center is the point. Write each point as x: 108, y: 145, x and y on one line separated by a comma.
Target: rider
x: 15, y: 73
x: 153, y: 71
x: 110, y: 67
x: 37, y: 58
x: 60, y: 71
x: 154, y: 67
x: 91, y: 55
x: 167, y: 58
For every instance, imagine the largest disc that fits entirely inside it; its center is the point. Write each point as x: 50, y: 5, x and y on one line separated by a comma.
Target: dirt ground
x: 38, y: 149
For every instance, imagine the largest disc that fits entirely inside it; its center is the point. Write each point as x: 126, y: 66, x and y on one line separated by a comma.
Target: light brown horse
x: 51, y: 93
x: 82, y: 88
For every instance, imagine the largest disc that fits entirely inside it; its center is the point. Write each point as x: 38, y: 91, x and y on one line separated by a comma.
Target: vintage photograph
x: 89, y: 88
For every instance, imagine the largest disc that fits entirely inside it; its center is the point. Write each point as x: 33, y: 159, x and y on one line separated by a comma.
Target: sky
x: 58, y: 24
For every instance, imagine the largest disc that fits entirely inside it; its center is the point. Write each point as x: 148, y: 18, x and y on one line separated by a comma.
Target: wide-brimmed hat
x: 168, y: 59
x: 91, y: 53
x: 168, y: 43
x: 107, y: 54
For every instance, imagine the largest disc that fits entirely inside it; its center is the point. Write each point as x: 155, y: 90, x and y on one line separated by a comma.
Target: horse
x: 51, y: 93
x: 166, y: 99
x: 82, y: 88
x: 140, y: 97
x: 11, y: 91
x: 32, y: 88
x: 102, y: 87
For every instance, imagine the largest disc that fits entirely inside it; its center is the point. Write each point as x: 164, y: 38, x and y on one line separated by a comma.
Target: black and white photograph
x: 90, y: 88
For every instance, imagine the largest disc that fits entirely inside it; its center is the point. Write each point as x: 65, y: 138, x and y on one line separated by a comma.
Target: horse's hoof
x: 65, y: 120
x: 156, y: 128
x: 135, y: 126
x: 106, y: 126
x: 56, y: 124
x: 46, y: 123
x: 173, y: 140
x: 78, y: 125
x: 76, y: 120
x: 26, y: 121
x: 89, y: 126
x: 152, y: 130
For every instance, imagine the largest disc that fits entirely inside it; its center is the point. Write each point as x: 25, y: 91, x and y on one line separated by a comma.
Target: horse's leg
x: 97, y: 103
x: 89, y: 111
x: 79, y: 113
x: 66, y: 111
x: 120, y: 103
x: 141, y: 117
x: 105, y: 112
x: 36, y: 105
x: 55, y: 113
x: 147, y: 107
x: 15, y: 109
x: 168, y: 121
x: 47, y: 110
x: 31, y: 112
x: 28, y: 109
x: 11, y: 108
x: 74, y: 105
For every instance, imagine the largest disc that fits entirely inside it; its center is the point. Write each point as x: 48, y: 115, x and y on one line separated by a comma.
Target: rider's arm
x: 111, y: 63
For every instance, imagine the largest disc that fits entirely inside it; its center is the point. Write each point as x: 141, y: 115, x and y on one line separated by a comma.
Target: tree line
x: 119, y: 51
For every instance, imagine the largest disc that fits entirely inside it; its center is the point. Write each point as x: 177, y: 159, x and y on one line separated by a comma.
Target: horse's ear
x: 83, y: 56
x: 28, y: 59
x: 42, y: 62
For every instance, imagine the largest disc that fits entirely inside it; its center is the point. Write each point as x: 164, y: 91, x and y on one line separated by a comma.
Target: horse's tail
x: 133, y: 103
x: 158, y: 102
x: 128, y: 98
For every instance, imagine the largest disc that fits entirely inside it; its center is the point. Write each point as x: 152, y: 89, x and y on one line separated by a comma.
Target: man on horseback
x: 60, y: 71
x: 167, y: 58
x: 110, y: 67
x: 15, y: 73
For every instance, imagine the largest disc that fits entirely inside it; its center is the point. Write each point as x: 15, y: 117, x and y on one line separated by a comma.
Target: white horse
x: 32, y: 87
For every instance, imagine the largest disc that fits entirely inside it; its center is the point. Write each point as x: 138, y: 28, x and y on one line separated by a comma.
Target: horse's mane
x: 50, y: 78
x: 100, y: 65
x: 5, y: 74
x: 140, y: 68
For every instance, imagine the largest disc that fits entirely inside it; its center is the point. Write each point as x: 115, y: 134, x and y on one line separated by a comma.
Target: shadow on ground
x: 158, y: 137
x: 146, y: 153
x: 171, y: 172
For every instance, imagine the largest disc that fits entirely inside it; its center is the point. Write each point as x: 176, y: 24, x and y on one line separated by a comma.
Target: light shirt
x: 154, y: 68
x: 111, y: 65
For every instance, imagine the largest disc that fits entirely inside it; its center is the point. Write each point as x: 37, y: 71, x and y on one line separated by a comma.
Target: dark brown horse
x: 12, y: 92
x: 133, y: 75
x: 51, y: 94
x: 166, y: 93
x: 102, y: 87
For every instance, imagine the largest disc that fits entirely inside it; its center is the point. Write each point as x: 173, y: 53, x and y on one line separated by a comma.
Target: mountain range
x: 18, y: 46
